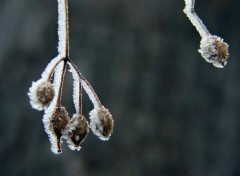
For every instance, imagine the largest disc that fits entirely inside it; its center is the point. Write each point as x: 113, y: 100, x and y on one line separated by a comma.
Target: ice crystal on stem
x: 212, y: 48
x: 46, y: 95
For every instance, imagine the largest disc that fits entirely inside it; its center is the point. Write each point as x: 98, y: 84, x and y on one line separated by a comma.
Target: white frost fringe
x: 51, y: 109
x: 62, y: 27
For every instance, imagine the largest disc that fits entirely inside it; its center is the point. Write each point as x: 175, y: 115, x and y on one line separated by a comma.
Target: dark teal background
x: 175, y: 114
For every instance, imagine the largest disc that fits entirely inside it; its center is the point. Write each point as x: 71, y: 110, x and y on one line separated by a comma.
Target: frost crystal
x: 195, y: 20
x: 214, y: 50
x: 76, y: 131
x: 101, y: 123
x: 41, y: 94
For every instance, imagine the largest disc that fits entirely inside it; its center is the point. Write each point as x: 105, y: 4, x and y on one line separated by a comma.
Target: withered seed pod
x: 41, y: 93
x: 76, y: 131
x: 101, y: 123
x: 214, y: 50
x: 106, y: 122
x: 45, y: 93
x: 59, y: 121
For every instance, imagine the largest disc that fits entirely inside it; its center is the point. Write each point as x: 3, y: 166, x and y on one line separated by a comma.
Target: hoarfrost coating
x: 51, y: 109
x: 91, y: 94
x: 195, y: 20
x: 62, y: 27
x: 86, y: 86
x: 51, y: 66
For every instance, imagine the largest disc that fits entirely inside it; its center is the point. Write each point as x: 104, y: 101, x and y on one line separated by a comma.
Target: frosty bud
x: 214, y: 50
x: 101, y: 123
x: 45, y: 93
x: 76, y: 131
x: 59, y: 121
x: 41, y: 94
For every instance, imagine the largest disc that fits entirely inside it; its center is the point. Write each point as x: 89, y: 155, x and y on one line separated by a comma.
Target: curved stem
x: 86, y: 86
x: 77, y: 91
x: 91, y: 93
x: 59, y: 99
x: 52, y: 70
x: 195, y: 20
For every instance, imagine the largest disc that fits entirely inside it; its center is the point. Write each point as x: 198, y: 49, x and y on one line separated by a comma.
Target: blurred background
x: 175, y: 114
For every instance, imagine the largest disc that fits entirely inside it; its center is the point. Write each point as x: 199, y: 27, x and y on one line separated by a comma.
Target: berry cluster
x: 46, y: 93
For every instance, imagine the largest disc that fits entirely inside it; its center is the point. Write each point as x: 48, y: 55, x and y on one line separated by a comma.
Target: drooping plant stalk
x: 86, y: 86
x: 195, y: 20
x: 55, y: 64
x: 47, y: 96
x: 212, y: 48
x: 59, y: 100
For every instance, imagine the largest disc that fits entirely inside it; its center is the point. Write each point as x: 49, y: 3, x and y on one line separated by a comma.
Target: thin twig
x: 195, y: 20
x: 89, y: 90
x: 61, y: 85
x: 63, y: 28
x: 67, y: 28
x: 80, y: 98
x: 54, y: 67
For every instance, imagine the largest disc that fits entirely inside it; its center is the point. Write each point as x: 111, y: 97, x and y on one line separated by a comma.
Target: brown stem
x: 61, y: 85
x: 85, y: 80
x: 52, y: 71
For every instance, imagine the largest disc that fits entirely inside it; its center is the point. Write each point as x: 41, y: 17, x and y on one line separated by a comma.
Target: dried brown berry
x: 41, y: 93
x: 222, y: 49
x: 45, y: 93
x: 76, y: 131
x: 59, y: 121
x: 214, y: 50
x: 101, y: 123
